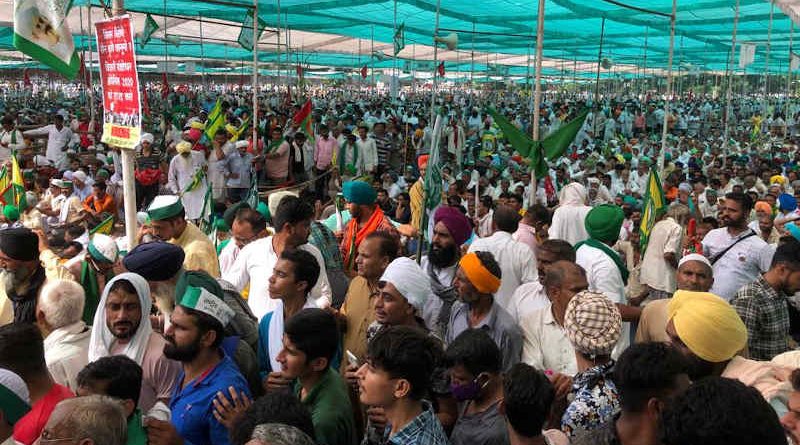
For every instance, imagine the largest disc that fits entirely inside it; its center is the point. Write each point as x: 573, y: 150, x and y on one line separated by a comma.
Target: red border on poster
x: 122, y: 119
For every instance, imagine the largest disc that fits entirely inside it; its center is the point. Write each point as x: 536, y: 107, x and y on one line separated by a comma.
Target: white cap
x: 694, y: 257
x: 79, y: 175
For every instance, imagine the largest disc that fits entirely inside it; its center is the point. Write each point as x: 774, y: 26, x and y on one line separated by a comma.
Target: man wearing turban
x: 186, y: 179
x: 710, y: 334
x: 477, y: 280
x: 605, y: 270
x: 450, y: 231
x: 21, y: 277
x: 367, y: 217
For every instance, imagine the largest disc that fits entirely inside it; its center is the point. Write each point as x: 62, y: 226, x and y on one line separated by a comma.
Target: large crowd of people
x: 304, y: 282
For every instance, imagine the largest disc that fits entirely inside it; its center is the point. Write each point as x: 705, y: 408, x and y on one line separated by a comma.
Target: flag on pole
x: 299, y: 70
x: 145, y: 102
x: 105, y: 227
x: 549, y: 149
x: 150, y: 26
x: 14, y: 191
x: 26, y: 78
x: 654, y: 205
x: 246, y: 34
x: 252, y: 195
x: 207, y: 215
x: 440, y: 69
x: 238, y: 133
x: 41, y: 31
x: 216, y: 119
x: 364, y: 72
x: 164, y: 86
x: 303, y: 118
x: 747, y: 53
x: 794, y: 62
x: 197, y: 181
x: 5, y: 178
x: 83, y: 73
x: 399, y: 38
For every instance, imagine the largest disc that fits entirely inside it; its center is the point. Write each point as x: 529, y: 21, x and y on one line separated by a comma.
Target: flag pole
x: 91, y: 81
x: 128, y: 184
x: 726, y: 132
x: 789, y: 74
x: 435, y: 64
x: 597, y: 81
x: 766, y: 58
x: 254, y: 114
x: 537, y: 98
x: 664, y: 129
x: 394, y: 90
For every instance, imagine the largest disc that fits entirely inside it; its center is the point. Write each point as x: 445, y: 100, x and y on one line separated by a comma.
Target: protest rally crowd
x: 358, y: 274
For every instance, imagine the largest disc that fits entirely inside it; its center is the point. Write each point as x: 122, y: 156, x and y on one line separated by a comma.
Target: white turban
x: 695, y: 257
x: 147, y: 137
x: 410, y: 280
x: 274, y: 200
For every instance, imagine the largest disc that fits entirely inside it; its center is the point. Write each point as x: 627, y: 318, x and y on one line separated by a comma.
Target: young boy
x: 400, y: 361
x: 310, y: 342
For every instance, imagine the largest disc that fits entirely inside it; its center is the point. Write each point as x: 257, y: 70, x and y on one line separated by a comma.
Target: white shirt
x: 368, y: 149
x: 254, y: 265
x: 66, y: 352
x: 604, y: 276
x: 227, y: 256
x: 528, y: 297
x: 545, y: 345
x: 517, y: 263
x: 56, y: 140
x: 655, y: 272
x: 6, y: 137
x: 740, y: 265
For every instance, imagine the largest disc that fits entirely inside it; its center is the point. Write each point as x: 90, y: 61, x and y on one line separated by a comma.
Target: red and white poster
x: 122, y: 121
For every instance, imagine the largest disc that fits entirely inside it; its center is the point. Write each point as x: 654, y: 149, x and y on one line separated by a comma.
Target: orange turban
x: 480, y: 277
x: 422, y: 161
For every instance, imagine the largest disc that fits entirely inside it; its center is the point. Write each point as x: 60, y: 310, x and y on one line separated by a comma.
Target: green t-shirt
x: 136, y: 433
x: 331, y: 411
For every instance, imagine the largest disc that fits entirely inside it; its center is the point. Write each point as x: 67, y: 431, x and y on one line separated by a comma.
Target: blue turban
x: 787, y: 202
x: 156, y: 261
x: 359, y: 192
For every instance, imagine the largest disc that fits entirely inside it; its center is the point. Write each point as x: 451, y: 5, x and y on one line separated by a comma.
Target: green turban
x: 604, y: 222
x: 627, y: 156
x: 264, y: 210
x: 11, y: 213
x: 359, y: 192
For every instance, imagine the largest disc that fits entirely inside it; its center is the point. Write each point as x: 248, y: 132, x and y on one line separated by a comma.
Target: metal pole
x: 472, y: 64
x: 254, y: 119
x: 789, y: 73
x: 395, y: 86
x: 766, y: 59
x: 202, y: 54
x: 597, y: 80
x: 128, y: 184
x: 664, y: 130
x: 372, y: 54
x: 537, y: 98
x: 278, y: 31
x: 91, y: 75
x: 726, y: 132
x: 435, y: 65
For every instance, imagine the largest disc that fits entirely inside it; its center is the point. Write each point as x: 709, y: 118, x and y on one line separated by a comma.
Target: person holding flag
x: 186, y: 178
x: 277, y: 158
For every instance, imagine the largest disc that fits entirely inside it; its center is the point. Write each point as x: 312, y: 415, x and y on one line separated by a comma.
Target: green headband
x: 97, y: 255
x: 166, y: 212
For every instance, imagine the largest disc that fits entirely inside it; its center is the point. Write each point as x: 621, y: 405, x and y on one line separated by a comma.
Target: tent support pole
x: 765, y: 106
x: 730, y: 78
x: 435, y: 66
x: 537, y: 98
x: 789, y: 73
x: 667, y: 102
x: 254, y: 120
x: 596, y: 104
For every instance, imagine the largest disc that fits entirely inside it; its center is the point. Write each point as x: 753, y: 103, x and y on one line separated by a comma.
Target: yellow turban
x: 183, y: 147
x: 198, y: 125
x: 777, y: 179
x: 708, y: 325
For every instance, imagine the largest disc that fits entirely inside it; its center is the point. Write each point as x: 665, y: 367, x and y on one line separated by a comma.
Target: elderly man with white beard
x: 182, y: 171
x: 21, y: 275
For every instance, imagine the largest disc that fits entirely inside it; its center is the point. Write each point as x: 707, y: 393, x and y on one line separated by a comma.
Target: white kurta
x: 216, y: 172
x: 604, y: 276
x: 227, y: 256
x: 181, y: 173
x: 517, y: 263
x: 569, y: 217
x: 66, y: 352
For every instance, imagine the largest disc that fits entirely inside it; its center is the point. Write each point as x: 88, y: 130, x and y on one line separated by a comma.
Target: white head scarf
x: 410, y: 280
x: 102, y: 339
x: 573, y: 194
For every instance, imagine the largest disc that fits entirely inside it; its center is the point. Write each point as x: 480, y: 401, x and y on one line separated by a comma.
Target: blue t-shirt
x: 192, y: 406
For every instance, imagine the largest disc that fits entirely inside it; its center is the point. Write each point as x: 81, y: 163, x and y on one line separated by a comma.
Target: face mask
x: 467, y: 391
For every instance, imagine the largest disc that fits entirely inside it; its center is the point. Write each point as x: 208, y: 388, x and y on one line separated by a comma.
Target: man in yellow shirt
x: 169, y: 223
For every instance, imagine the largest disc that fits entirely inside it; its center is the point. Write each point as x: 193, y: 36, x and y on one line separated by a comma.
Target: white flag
x: 41, y: 31
x: 747, y: 54
x: 795, y: 62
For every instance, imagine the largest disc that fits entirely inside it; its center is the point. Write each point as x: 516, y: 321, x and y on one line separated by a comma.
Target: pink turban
x: 455, y: 221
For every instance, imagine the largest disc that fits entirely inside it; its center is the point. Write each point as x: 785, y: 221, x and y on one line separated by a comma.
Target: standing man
x: 517, y: 261
x: 366, y: 146
x: 122, y: 326
x: 450, y: 231
x: 325, y: 147
x: 186, y: 180
x: 58, y: 137
x: 367, y: 217
x: 660, y: 261
x: 277, y: 158
x: 238, y: 166
x: 10, y: 139
x: 762, y: 304
x: 529, y: 297
x: 169, y: 222
x: 477, y: 280
x: 248, y: 226
x: 736, y: 253
x: 194, y: 338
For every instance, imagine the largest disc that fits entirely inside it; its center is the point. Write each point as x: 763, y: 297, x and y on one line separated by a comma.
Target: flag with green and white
x: 41, y: 32
x: 654, y: 205
x: 150, y: 26
x: 246, y: 34
x: 399, y: 39
x: 216, y: 119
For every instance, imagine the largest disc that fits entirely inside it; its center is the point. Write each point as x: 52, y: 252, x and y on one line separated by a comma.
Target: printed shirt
x: 766, y: 316
x: 594, y: 400
x: 425, y: 429
x: 192, y: 408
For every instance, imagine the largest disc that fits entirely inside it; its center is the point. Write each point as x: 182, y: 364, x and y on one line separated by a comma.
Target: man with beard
x: 194, y: 338
x: 709, y: 333
x: 737, y: 255
x: 367, y: 217
x: 477, y: 279
x: 161, y: 264
x: 21, y: 275
x: 121, y: 326
x: 694, y: 274
x: 169, y: 222
x: 183, y: 170
x: 451, y: 229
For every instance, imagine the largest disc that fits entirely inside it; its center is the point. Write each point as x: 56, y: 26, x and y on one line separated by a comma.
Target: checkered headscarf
x: 593, y: 323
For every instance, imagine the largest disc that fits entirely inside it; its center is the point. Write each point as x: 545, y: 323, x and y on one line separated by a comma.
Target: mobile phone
x: 352, y: 359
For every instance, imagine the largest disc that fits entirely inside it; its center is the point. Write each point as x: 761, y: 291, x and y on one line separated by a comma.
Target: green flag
x: 549, y: 149
x: 215, y: 120
x: 399, y: 39
x: 246, y: 33
x: 150, y: 26
x: 654, y: 205
x: 252, y: 195
x: 41, y: 31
